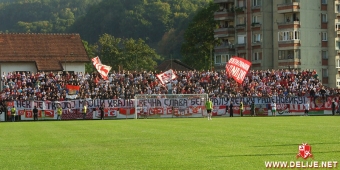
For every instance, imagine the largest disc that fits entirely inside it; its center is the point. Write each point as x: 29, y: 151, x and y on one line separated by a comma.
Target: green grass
x: 179, y: 143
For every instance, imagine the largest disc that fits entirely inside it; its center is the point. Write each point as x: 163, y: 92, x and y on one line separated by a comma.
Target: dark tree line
x: 159, y: 24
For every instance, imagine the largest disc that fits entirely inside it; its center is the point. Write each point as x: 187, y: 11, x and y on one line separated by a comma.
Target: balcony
x: 256, y: 43
x: 285, y: 25
x: 255, y: 26
x: 290, y: 44
x: 223, y: 1
x: 225, y: 47
x: 338, y: 14
x: 240, y: 26
x: 224, y: 32
x: 224, y: 15
x: 288, y: 8
x: 256, y: 8
x: 239, y: 9
x: 240, y: 45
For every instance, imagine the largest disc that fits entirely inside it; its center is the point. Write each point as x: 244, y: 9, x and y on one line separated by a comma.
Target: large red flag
x: 238, y: 67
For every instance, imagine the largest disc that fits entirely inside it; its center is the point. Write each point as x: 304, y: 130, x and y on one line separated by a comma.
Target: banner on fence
x: 164, y: 107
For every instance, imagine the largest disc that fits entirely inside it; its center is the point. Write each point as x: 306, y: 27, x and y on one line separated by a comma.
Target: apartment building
x: 281, y: 34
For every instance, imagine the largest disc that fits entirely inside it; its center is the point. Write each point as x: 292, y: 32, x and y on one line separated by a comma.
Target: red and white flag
x: 102, y: 69
x: 167, y: 76
x: 238, y: 68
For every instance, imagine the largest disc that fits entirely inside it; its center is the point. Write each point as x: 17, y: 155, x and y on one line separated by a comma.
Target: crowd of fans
x: 125, y: 84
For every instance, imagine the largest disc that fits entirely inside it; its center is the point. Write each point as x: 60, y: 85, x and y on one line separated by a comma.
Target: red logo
x: 305, y: 151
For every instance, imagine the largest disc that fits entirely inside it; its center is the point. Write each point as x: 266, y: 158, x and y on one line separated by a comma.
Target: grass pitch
x: 178, y: 143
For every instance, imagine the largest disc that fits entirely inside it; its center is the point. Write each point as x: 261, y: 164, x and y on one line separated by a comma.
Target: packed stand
x: 124, y: 85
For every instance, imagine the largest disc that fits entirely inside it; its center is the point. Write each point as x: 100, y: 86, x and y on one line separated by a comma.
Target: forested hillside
x: 161, y: 23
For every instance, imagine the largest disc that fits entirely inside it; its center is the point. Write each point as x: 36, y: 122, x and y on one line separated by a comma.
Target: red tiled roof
x: 48, y: 51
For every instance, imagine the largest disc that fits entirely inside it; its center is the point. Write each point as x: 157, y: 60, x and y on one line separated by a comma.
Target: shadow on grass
x: 297, y: 144
x: 273, y: 154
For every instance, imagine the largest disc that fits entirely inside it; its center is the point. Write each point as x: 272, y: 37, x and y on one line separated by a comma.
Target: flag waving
x: 72, y: 91
x: 238, y: 67
x: 102, y: 69
x: 167, y: 76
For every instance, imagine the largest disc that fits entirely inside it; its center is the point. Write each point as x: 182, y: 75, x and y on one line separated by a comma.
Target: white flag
x: 102, y: 69
x: 167, y: 76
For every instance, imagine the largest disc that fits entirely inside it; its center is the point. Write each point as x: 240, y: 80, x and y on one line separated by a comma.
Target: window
x: 324, y: 36
x: 324, y: 18
x: 288, y: 35
x: 242, y: 55
x: 256, y: 19
x: 337, y: 26
x: 241, y: 39
x: 218, y: 59
x: 288, y: 18
x: 337, y: 8
x: 240, y: 20
x: 289, y: 54
x: 256, y: 56
x: 256, y: 2
x: 257, y: 38
x: 324, y: 72
x: 338, y: 82
x: 324, y: 54
x: 323, y: 1
x: 338, y: 63
x: 337, y: 45
x: 221, y: 59
x: 240, y: 3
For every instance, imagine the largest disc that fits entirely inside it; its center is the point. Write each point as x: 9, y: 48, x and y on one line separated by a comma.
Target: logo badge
x: 305, y: 151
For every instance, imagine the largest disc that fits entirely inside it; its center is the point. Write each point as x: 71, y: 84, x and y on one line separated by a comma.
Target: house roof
x: 174, y: 64
x: 47, y: 51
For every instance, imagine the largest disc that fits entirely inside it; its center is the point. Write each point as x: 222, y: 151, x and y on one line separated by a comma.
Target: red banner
x: 238, y: 67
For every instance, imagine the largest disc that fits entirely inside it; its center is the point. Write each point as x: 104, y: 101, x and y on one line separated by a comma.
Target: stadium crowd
x: 125, y: 84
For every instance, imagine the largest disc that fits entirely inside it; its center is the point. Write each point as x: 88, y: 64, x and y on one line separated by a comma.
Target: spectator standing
x: 333, y: 107
x: 241, y: 109
x: 231, y: 111
x: 273, y: 105
x: 13, y: 111
x: 84, y: 111
x: 101, y: 108
x: 209, y: 106
x: 252, y: 109
x: 306, y: 105
x: 35, y: 113
x: 59, y: 112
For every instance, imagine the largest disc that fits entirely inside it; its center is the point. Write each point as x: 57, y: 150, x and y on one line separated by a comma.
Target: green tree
x: 199, y: 38
x: 127, y: 53
x: 91, y: 53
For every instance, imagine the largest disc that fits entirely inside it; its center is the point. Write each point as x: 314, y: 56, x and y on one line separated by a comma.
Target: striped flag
x: 167, y: 76
x: 101, y: 68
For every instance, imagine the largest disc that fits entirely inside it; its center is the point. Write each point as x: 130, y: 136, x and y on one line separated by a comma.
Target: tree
x: 127, y: 53
x: 91, y: 53
x: 199, y: 38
